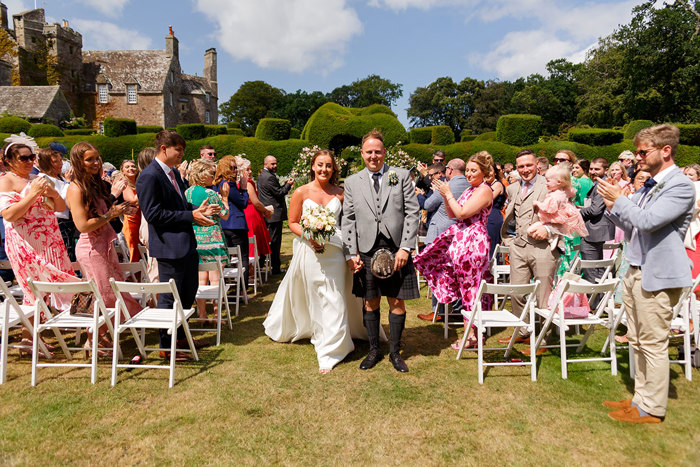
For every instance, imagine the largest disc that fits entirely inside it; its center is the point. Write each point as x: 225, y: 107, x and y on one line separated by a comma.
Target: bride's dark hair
x: 325, y: 152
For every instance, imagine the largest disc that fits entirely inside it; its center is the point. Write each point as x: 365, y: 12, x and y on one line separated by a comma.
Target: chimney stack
x: 210, y: 69
x: 171, y: 44
x: 3, y: 16
x: 64, y: 23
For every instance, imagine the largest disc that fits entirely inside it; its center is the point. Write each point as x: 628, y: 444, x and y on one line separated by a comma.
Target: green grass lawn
x: 254, y: 401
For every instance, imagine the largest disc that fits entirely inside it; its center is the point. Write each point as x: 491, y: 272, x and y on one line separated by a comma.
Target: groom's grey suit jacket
x: 393, y: 211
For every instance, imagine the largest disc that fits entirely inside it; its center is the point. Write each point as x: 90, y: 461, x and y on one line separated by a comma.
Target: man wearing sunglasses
x: 655, y: 220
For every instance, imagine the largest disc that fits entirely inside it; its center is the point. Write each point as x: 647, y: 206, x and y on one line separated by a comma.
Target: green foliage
x: 595, y: 136
x: 213, y: 130
x: 234, y: 131
x: 148, y: 129
x: 112, y: 150
x: 44, y: 129
x: 294, y: 133
x: 273, y: 129
x: 464, y: 132
x: 297, y: 107
x: 12, y: 124
x: 233, y: 124
x: 331, y: 122
x: 421, y: 135
x: 633, y: 127
x: 79, y: 131
x: 442, y: 135
x: 690, y: 134
x: 114, y: 127
x: 518, y: 129
x: 466, y: 138
x: 253, y: 100
x: 487, y: 136
x: 191, y: 131
x: 365, y: 92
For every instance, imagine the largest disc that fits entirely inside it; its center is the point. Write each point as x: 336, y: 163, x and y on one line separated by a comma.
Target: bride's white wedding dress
x: 315, y: 300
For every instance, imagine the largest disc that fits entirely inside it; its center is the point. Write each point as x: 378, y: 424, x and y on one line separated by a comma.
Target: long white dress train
x: 315, y: 300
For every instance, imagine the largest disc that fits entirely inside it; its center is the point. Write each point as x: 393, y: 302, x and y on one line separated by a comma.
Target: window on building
x: 33, y: 40
x: 131, y: 94
x: 206, y: 117
x: 172, y: 76
x: 102, y: 93
x: 206, y: 94
x: 171, y: 99
x: 183, y: 107
x: 101, y: 127
x: 70, y: 49
x: 72, y: 73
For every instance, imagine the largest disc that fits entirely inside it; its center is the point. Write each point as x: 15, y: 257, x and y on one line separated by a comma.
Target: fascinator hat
x: 21, y: 139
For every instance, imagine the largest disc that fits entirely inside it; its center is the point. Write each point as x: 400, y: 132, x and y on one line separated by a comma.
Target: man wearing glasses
x: 627, y: 159
x: 655, y: 220
x: 207, y: 152
x: 424, y: 182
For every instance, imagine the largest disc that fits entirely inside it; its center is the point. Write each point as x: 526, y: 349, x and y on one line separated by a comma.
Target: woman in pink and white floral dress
x: 458, y: 259
x: 32, y: 238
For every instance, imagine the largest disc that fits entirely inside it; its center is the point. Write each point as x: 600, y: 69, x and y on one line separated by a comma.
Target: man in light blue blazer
x: 440, y: 221
x: 655, y: 220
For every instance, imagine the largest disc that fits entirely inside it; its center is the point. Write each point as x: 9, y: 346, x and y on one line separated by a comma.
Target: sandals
x: 471, y: 343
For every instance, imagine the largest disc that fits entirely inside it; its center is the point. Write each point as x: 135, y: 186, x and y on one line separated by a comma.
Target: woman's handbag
x: 82, y: 304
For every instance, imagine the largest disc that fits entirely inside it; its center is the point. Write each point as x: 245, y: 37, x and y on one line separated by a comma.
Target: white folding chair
x: 64, y: 320
x: 12, y: 314
x: 151, y: 318
x: 500, y: 271
x: 499, y: 317
x: 556, y: 317
x: 234, y: 274
x: 420, y: 240
x: 217, y: 293
x: 122, y: 249
x: 143, y: 251
x: 15, y: 289
x: 254, y: 260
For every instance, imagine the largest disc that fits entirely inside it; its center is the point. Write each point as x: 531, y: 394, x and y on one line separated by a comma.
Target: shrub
x: 273, y: 129
x: 213, y: 130
x: 420, y: 135
x: 633, y: 127
x: 234, y: 131
x: 233, y: 124
x: 466, y: 138
x: 518, y: 129
x: 595, y: 136
x: 12, y: 124
x: 79, y: 131
x: 294, y: 133
x: 148, y: 129
x: 464, y: 132
x: 487, y: 136
x: 377, y: 109
x: 191, y: 131
x: 442, y: 135
x: 44, y: 129
x: 114, y: 127
x: 690, y: 134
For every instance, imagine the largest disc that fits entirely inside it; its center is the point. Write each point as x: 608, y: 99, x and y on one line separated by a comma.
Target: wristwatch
x: 105, y: 217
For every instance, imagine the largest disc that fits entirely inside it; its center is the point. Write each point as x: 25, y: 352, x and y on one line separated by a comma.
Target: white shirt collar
x: 380, y: 171
x: 659, y: 177
x: 165, y: 168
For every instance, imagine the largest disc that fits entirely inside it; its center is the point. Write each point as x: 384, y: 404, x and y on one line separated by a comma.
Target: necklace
x: 19, y: 176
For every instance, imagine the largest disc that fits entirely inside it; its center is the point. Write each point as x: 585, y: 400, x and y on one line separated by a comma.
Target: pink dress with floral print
x: 35, y: 248
x: 458, y: 259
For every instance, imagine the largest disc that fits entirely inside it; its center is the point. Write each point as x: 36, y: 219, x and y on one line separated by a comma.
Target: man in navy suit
x: 171, y: 237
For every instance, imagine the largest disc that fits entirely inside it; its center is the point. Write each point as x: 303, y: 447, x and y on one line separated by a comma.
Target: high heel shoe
x: 28, y: 350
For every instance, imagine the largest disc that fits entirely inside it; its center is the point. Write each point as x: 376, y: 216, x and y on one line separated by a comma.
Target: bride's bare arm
x: 295, y: 208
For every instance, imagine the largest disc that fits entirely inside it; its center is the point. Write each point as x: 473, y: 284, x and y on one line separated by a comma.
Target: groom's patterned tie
x: 376, y: 176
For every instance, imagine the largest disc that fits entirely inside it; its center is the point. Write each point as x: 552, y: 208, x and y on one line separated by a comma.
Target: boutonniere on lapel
x: 655, y: 191
x: 392, y: 178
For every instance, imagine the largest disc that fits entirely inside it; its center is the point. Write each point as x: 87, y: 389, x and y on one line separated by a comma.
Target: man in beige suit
x: 530, y: 255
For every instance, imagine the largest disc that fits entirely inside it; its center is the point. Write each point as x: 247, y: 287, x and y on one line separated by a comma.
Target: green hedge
x: 115, y: 127
x: 234, y: 131
x: 633, y: 127
x: 332, y: 120
x: 79, y: 131
x: 148, y: 129
x: 214, y: 130
x: 294, y: 133
x: 442, y: 135
x: 465, y: 132
x: 595, y: 136
x: 518, y: 129
x: 487, y: 136
x: 44, y: 129
x: 690, y: 133
x: 420, y: 135
x: 12, y: 124
x: 191, y: 131
x: 273, y: 129
x: 466, y: 138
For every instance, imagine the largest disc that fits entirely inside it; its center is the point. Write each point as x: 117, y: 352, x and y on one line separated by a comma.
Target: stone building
x: 35, y: 103
x: 144, y: 85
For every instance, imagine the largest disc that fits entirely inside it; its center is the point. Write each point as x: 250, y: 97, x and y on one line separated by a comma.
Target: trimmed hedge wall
x: 487, y: 136
x: 690, y: 133
x: 191, y: 131
x: 214, y: 130
x: 420, y: 135
x: 115, y: 127
x: 79, y: 131
x: 442, y: 135
x: 273, y: 129
x: 595, y: 136
x: 633, y: 127
x: 44, y: 129
x: 148, y: 129
x: 332, y: 120
x: 466, y: 138
x: 234, y: 131
x: 294, y: 133
x: 518, y: 129
x: 12, y: 124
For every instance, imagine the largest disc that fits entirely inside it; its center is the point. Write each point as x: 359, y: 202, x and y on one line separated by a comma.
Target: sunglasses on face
x: 561, y: 159
x: 29, y: 158
x: 645, y: 152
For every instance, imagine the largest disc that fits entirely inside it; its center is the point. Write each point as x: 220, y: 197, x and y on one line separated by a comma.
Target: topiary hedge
x: 148, y: 129
x: 44, y: 129
x: 12, y: 124
x: 442, y: 135
x: 690, y: 133
x: 294, y: 133
x: 595, y: 136
x: 115, y: 127
x: 191, y: 131
x: 79, y: 131
x: 332, y: 121
x: 466, y: 138
x: 214, y: 130
x: 633, y: 127
x: 420, y: 135
x: 273, y: 129
x: 465, y: 132
x: 234, y: 131
x: 487, y: 136
x: 518, y: 129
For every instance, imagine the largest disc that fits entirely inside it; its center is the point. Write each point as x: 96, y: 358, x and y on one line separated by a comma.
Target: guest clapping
x: 132, y: 218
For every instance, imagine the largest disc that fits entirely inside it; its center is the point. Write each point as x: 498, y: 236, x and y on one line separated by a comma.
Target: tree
x: 299, y: 106
x: 253, y: 100
x: 364, y: 92
x: 492, y: 102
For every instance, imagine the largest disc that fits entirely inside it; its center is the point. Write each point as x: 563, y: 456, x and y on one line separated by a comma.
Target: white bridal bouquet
x: 318, y: 224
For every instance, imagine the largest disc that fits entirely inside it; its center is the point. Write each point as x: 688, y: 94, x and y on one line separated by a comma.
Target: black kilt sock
x: 371, y: 320
x: 396, y: 325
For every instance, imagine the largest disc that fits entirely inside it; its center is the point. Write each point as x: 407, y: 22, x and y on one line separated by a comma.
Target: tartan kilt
x: 403, y: 284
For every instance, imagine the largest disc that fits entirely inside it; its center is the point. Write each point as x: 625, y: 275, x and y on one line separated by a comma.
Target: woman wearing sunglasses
x: 32, y: 238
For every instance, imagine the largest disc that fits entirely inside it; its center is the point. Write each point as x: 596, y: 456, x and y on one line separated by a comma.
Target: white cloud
x: 16, y: 6
x: 291, y: 35
x: 99, y: 35
x: 111, y: 8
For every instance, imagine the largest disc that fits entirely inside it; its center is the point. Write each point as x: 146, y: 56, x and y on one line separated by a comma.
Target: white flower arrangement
x: 317, y: 224
x: 392, y: 178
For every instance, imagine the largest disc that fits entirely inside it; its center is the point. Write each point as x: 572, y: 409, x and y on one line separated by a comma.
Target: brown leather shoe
x: 429, y: 317
x: 631, y: 415
x: 183, y: 344
x: 618, y: 405
x: 540, y: 351
x: 179, y: 356
x: 518, y: 340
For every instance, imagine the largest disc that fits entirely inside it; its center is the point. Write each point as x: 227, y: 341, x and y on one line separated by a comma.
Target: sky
x: 318, y: 45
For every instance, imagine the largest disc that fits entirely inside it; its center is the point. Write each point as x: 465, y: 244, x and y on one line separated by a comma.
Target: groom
x: 380, y: 210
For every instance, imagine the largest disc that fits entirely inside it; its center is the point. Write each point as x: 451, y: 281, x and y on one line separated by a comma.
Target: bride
x: 314, y: 299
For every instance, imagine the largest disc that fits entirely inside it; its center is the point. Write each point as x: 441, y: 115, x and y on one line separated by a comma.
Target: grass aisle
x: 254, y: 401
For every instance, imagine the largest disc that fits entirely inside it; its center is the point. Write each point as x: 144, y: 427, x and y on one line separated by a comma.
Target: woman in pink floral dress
x: 458, y: 259
x: 32, y: 238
